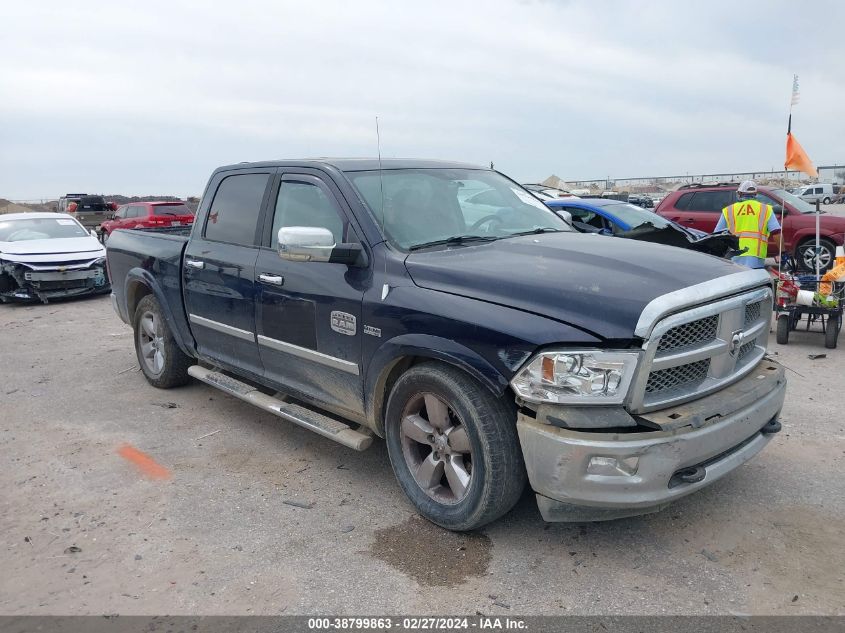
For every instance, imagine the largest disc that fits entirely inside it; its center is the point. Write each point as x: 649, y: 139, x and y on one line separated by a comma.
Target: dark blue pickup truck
x: 480, y: 336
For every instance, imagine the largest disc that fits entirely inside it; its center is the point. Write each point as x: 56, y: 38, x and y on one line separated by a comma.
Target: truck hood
x: 61, y: 249
x: 597, y: 283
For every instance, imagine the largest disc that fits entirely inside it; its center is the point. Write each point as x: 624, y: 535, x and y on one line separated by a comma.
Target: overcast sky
x: 148, y: 99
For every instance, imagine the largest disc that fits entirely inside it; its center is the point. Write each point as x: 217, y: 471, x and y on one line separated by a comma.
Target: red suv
x: 146, y: 215
x: 698, y: 206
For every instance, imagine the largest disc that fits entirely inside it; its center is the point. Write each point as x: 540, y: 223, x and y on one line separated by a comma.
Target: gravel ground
x: 214, y: 535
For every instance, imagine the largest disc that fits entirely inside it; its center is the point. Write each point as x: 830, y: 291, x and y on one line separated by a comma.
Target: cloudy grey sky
x: 148, y: 98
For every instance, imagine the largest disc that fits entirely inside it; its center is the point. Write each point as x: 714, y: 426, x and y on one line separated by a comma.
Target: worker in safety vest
x: 752, y: 222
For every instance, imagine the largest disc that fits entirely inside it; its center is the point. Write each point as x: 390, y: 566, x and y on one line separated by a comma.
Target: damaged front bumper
x: 44, y: 282
x: 594, y: 476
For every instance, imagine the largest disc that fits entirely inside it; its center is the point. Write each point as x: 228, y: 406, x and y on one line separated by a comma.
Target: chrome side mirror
x: 305, y: 243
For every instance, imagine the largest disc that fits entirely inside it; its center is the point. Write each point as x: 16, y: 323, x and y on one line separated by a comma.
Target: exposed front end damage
x: 640, y: 467
x: 44, y: 281
x: 703, y: 399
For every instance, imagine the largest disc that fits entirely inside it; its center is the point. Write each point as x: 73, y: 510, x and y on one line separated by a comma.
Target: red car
x: 146, y: 215
x: 698, y: 206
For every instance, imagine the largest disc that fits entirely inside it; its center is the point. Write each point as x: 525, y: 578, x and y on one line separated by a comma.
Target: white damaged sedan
x: 46, y: 256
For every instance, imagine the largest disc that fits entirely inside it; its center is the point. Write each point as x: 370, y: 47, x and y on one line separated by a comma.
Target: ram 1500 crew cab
x: 486, y: 345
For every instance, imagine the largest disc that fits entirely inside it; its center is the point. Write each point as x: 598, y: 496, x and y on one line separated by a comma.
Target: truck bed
x: 153, y: 255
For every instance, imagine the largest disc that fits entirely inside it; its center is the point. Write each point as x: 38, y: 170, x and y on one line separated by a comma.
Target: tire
x: 826, y: 201
x: 831, y: 332
x: 783, y: 330
x: 474, y: 445
x: 164, y: 364
x: 806, y: 261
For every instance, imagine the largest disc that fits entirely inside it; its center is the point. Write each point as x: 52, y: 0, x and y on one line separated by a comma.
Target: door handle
x: 276, y: 280
x: 689, y: 220
x: 194, y: 263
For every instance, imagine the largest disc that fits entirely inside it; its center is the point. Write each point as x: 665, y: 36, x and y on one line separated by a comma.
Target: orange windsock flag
x: 797, y: 159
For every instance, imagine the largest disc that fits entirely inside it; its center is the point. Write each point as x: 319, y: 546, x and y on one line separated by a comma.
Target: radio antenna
x: 385, y: 288
x: 380, y: 179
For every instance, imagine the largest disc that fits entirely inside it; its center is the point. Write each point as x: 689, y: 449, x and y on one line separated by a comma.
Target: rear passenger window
x: 713, y: 201
x: 233, y: 215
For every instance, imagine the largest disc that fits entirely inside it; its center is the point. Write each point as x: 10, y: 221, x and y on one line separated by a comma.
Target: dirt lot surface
x: 86, y: 527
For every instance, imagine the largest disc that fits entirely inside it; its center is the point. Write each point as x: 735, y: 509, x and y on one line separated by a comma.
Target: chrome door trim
x: 222, y: 327
x: 309, y: 354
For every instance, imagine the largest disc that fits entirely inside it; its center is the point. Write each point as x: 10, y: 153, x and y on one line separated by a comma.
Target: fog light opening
x: 613, y: 466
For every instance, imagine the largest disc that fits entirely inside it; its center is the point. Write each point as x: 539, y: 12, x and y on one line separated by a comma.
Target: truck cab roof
x: 357, y: 164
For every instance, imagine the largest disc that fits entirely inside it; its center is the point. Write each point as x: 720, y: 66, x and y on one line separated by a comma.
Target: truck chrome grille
x: 746, y: 349
x: 701, y: 350
x: 700, y: 331
x: 674, y: 377
x: 752, y: 312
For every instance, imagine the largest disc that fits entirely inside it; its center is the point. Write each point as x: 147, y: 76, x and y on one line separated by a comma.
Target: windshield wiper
x: 455, y: 239
x: 537, y: 231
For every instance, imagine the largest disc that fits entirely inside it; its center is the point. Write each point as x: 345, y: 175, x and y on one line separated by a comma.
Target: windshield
x: 635, y: 216
x: 794, y: 201
x: 39, y: 229
x: 430, y: 205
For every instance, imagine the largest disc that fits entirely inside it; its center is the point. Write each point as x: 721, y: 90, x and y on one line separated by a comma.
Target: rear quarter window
x: 683, y: 202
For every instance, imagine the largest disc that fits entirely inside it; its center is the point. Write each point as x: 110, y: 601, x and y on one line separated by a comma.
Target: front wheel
x: 831, y: 332
x: 163, y: 363
x: 453, y: 447
x: 783, y: 329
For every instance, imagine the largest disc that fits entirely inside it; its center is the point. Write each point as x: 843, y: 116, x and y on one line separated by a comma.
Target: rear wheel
x: 783, y: 329
x: 163, y: 363
x: 826, y: 201
x: 453, y: 447
x: 831, y: 332
x: 806, y: 255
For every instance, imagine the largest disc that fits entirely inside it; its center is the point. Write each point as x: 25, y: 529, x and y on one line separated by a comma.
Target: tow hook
x: 691, y: 475
x: 772, y: 426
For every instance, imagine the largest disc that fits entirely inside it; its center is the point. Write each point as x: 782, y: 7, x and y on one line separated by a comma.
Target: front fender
x: 423, y: 346
x: 178, y: 327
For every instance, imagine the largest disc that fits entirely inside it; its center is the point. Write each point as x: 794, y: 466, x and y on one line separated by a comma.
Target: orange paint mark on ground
x: 146, y: 464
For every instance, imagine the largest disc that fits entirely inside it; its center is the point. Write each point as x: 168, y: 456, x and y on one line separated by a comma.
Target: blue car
x: 621, y: 219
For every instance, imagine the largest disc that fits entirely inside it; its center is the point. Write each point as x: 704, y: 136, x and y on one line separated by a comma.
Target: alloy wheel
x: 436, y: 448
x: 809, y: 256
x: 151, y: 342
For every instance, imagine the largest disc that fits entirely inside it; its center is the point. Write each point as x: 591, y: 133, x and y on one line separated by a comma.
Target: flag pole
x: 782, y: 206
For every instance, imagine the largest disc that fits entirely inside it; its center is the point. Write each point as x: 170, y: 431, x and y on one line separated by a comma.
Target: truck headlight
x: 576, y: 377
